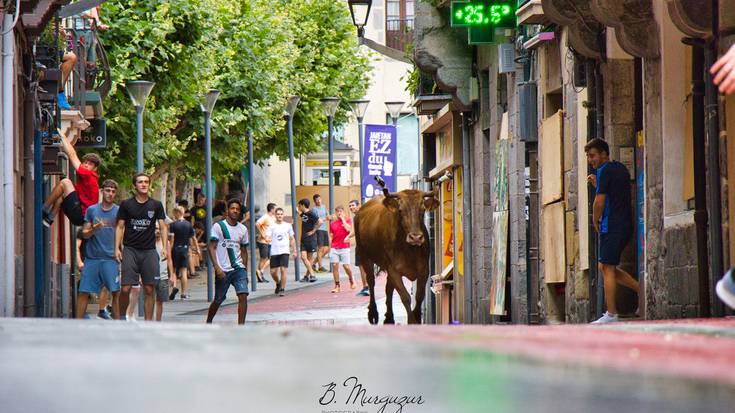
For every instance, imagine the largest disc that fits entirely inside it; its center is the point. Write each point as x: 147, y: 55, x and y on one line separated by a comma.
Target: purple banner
x: 378, y: 159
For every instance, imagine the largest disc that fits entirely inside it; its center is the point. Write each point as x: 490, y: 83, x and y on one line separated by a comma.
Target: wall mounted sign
x: 487, y: 13
x: 378, y: 159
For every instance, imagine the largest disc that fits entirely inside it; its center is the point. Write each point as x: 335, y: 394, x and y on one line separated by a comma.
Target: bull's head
x: 410, y: 206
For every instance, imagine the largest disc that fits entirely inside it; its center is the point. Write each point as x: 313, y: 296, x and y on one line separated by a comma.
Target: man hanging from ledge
x: 74, y: 199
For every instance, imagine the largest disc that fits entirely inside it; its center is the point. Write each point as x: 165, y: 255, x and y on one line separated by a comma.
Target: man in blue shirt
x: 100, y: 266
x: 613, y: 219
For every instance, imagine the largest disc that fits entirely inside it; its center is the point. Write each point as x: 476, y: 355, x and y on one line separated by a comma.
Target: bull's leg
x: 420, y: 292
x: 372, y: 307
x: 389, y: 303
x: 397, y: 280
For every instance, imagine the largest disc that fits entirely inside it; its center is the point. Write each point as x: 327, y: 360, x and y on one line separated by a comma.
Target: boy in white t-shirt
x: 280, y: 235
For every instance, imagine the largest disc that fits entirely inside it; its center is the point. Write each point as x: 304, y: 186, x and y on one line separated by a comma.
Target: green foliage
x: 256, y: 52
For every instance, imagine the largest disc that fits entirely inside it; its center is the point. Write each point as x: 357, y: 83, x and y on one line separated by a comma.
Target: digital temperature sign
x: 488, y: 13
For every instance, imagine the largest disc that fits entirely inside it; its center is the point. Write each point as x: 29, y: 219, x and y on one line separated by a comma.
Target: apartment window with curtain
x: 398, y: 23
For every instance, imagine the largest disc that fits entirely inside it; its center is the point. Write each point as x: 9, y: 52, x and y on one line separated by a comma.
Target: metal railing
x: 398, y: 33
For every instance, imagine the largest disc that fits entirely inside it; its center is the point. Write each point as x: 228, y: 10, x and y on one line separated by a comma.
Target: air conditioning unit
x: 507, y: 57
x: 528, y: 108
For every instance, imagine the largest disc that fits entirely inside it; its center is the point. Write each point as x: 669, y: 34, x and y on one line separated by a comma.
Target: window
x: 398, y: 23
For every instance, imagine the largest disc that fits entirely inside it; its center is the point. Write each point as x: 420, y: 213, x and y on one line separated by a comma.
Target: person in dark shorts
x: 136, y: 230
x: 228, y: 250
x: 280, y: 235
x: 264, y: 247
x: 612, y: 218
x: 354, y: 206
x: 309, y: 224
x: 182, y: 233
x: 322, y: 233
x: 70, y: 198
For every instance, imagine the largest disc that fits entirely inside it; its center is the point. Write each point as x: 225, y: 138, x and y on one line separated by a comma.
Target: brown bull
x: 391, y: 234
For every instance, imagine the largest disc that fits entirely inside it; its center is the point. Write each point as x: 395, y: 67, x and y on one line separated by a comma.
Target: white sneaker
x: 131, y: 319
x: 606, y: 318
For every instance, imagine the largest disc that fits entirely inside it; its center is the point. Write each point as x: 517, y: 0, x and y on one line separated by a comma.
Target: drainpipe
x: 713, y: 157
x: 700, y: 174
x: 467, y: 219
x: 8, y: 221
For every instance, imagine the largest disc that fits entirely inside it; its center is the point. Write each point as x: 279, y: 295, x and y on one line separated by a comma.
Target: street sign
x: 95, y: 136
x: 483, y: 13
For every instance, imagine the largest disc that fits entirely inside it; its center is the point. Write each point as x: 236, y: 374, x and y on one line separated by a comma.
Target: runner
x: 166, y: 268
x: 70, y: 198
x: 228, y: 250
x: 354, y: 206
x: 264, y: 247
x: 340, y: 253
x: 322, y: 234
x: 309, y: 224
x: 100, y: 267
x: 136, y: 231
x: 280, y: 235
x: 183, y: 236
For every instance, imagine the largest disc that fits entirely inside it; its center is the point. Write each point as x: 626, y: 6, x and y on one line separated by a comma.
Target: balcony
x: 531, y: 12
x: 398, y: 33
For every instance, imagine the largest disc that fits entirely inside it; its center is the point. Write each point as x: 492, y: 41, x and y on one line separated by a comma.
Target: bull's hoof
x: 373, y: 317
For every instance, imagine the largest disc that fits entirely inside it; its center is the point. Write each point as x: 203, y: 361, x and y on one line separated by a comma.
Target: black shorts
x: 72, y: 208
x: 611, y: 247
x: 180, y: 257
x: 309, y: 244
x: 280, y: 260
x: 137, y: 264
x: 264, y: 250
x: 322, y: 238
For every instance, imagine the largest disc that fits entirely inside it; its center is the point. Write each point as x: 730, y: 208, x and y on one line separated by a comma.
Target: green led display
x: 488, y: 13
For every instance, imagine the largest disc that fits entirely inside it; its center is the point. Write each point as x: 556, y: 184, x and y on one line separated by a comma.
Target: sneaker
x: 282, y: 292
x: 304, y: 279
x: 48, y: 218
x: 172, y: 296
x: 104, y: 315
x: 87, y: 317
x: 606, y: 318
x: 312, y: 279
x: 322, y: 269
x: 63, y: 103
x: 184, y: 297
x: 265, y: 280
x: 725, y: 288
x: 108, y: 308
x: 131, y: 319
x: 278, y: 289
x: 365, y: 292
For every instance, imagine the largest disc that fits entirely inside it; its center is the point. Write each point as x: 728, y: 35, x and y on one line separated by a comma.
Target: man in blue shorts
x: 613, y: 219
x: 100, y: 266
x: 228, y: 250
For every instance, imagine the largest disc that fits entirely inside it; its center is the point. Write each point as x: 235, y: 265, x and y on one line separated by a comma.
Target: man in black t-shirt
x: 136, y: 231
x: 182, y: 234
x: 309, y: 224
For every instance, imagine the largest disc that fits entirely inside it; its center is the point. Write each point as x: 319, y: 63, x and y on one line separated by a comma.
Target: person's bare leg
x: 67, y: 65
x: 124, y: 299
x: 307, y: 263
x: 242, y: 308
x: 274, y: 275
x: 104, y: 298
x: 348, y: 271
x: 116, y: 305
x: 625, y: 279
x: 212, y: 311
x: 159, y: 310
x: 150, y: 299
x: 335, y: 274
x: 82, y: 301
x: 185, y: 281
x: 133, y: 303
x: 60, y: 191
x: 283, y: 278
x: 608, y: 273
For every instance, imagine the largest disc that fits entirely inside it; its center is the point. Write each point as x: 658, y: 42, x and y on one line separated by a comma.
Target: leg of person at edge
x: 724, y: 76
x: 67, y: 65
x: 354, y: 206
x: 611, y: 215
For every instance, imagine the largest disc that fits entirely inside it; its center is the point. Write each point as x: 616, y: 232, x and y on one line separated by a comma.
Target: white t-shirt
x: 163, y: 265
x: 280, y: 238
x: 228, y: 245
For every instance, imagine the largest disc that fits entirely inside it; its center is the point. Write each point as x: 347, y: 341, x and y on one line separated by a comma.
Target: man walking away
x: 136, y: 231
x: 74, y: 199
x: 100, y: 267
x: 183, y: 236
x: 340, y: 253
x: 228, y: 250
x: 322, y: 233
x: 612, y: 217
x: 309, y: 224
x: 264, y: 246
x: 166, y: 275
x: 280, y: 235
x: 354, y: 206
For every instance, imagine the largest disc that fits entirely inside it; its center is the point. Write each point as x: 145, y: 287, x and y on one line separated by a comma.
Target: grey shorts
x: 137, y: 264
x: 339, y: 256
x: 162, y: 291
x: 322, y: 238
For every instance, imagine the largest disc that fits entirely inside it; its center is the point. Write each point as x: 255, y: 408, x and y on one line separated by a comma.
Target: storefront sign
x: 379, y: 159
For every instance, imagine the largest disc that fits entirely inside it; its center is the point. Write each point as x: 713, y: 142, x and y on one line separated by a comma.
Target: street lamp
x: 207, y: 104
x: 394, y: 108
x: 330, y: 106
x: 358, y: 109
x: 251, y: 203
x: 291, y: 105
x: 139, y: 90
x: 360, y: 11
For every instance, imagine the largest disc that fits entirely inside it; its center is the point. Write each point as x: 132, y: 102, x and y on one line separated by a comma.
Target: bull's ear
x: 431, y: 203
x: 391, y: 203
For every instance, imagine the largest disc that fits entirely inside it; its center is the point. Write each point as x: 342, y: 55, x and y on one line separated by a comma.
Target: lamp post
x: 360, y: 11
x: 291, y: 105
x: 251, y: 221
x: 394, y: 108
x: 358, y: 108
x: 207, y: 105
x: 139, y: 90
x: 330, y: 105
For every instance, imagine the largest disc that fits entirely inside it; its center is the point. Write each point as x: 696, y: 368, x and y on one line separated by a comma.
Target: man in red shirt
x: 74, y: 199
x: 340, y: 253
